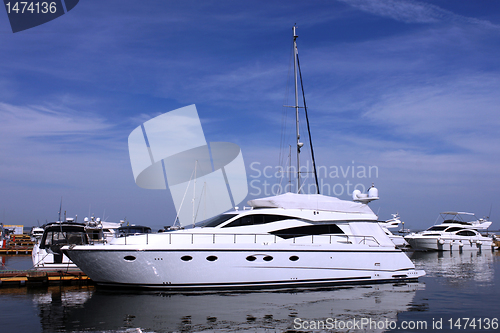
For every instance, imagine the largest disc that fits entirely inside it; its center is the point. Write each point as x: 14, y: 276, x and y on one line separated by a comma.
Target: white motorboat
x: 398, y: 240
x: 458, y: 231
x: 286, y: 240
x: 281, y: 241
x: 3, y: 237
x: 47, y: 254
x: 36, y: 233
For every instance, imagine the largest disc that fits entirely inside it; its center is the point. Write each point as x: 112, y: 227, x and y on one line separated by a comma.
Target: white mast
x: 299, y: 144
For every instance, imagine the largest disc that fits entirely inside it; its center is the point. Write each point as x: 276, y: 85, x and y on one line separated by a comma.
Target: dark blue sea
x: 460, y: 293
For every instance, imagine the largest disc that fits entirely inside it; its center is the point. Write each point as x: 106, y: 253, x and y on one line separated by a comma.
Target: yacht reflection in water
x: 86, y: 309
x: 458, y: 267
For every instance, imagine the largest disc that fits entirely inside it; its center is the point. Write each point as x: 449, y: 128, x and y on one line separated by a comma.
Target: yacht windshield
x: 66, y: 235
x: 213, y: 222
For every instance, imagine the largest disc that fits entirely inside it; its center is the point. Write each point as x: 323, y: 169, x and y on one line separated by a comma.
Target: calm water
x: 457, y: 286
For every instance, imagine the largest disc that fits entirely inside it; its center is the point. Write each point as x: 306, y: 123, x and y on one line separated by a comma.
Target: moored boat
x: 458, y: 231
x: 287, y: 240
x: 398, y: 240
x: 47, y: 254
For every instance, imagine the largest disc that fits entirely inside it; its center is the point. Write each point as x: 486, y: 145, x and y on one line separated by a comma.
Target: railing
x: 245, y: 238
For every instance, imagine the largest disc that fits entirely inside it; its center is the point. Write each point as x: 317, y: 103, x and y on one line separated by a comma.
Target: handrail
x: 263, y: 237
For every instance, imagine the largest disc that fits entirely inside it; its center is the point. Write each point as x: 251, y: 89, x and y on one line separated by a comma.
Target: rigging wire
x: 283, y: 152
x: 308, y: 127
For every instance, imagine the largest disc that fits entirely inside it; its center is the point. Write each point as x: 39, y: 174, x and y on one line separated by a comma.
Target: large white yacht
x: 282, y: 241
x: 286, y: 240
x: 458, y: 231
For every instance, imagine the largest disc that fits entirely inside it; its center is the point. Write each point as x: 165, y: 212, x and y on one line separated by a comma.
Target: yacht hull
x: 453, y: 244
x: 219, y: 267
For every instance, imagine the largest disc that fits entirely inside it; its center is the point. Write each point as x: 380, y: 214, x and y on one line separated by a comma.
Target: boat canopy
x: 457, y: 213
x: 311, y: 201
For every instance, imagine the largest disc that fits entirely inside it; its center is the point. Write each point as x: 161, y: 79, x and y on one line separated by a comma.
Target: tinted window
x: 64, y: 235
x: 308, y: 230
x: 437, y: 228
x: 466, y: 233
x: 256, y: 219
x: 133, y: 230
x: 213, y: 222
x: 453, y: 229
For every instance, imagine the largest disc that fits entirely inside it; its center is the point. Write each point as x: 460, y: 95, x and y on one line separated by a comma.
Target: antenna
x: 60, y: 209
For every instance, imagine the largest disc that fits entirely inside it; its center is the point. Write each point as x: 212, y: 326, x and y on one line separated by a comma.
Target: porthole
x: 129, y: 258
x: 186, y: 258
x: 267, y: 258
x: 212, y: 258
x: 294, y: 258
x: 251, y: 258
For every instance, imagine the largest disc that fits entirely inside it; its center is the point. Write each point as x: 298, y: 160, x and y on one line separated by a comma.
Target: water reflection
x: 457, y: 285
x: 86, y: 309
x: 56, y: 305
x: 458, y: 268
x: 14, y: 262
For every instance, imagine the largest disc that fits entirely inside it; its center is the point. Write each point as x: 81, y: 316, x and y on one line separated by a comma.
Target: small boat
x: 3, y: 237
x: 36, y: 233
x: 458, y: 231
x: 47, y: 254
x: 398, y: 240
x: 283, y: 241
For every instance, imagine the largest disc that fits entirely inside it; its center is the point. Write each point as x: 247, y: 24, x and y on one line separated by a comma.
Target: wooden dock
x: 16, y: 250
x: 33, y: 278
x: 17, y: 244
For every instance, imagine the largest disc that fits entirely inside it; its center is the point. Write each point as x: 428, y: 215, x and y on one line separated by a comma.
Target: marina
x: 185, y: 119
x: 456, y: 285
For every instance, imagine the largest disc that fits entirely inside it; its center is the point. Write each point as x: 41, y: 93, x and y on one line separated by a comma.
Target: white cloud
x: 47, y: 144
x: 410, y: 11
x: 451, y: 108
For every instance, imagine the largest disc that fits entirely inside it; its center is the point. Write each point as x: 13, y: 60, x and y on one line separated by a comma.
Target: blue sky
x: 411, y: 88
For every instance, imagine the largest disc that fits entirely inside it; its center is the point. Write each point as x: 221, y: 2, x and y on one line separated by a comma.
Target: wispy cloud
x: 48, y: 144
x: 410, y: 11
